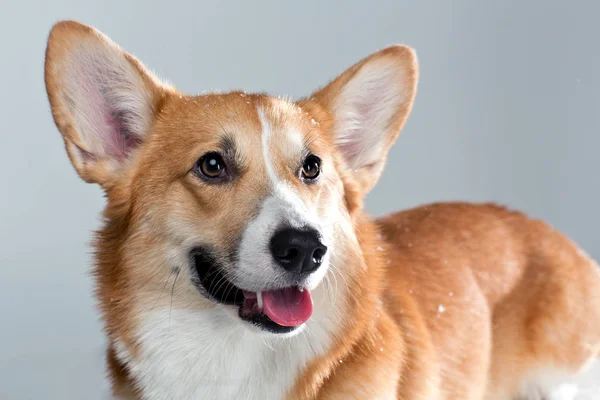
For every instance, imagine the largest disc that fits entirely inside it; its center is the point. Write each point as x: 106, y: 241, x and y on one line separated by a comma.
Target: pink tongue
x: 288, y: 307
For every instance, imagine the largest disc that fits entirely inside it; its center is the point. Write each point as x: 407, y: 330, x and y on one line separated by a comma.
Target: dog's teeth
x: 259, y: 300
x: 301, y: 289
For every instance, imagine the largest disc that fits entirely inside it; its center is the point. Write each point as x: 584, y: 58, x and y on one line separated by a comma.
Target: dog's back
x: 502, y: 304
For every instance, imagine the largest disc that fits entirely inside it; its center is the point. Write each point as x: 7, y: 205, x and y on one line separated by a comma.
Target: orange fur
x: 447, y: 301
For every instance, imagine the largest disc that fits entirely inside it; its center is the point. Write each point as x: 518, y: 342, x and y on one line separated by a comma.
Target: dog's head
x: 238, y: 203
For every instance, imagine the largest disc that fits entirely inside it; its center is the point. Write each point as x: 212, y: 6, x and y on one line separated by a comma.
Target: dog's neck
x: 189, y: 354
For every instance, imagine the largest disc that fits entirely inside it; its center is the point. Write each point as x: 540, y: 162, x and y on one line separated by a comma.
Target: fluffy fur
x: 444, y: 301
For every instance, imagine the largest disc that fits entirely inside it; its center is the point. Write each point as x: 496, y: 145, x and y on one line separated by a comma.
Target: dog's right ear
x: 103, y: 100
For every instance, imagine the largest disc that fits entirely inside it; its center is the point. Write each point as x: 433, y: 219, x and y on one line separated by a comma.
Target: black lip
x: 212, y: 281
x: 263, y: 322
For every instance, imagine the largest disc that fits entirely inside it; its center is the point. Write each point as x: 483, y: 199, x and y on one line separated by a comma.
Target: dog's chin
x: 244, y: 306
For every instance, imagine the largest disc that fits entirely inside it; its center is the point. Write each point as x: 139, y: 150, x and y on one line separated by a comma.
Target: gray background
x: 506, y: 111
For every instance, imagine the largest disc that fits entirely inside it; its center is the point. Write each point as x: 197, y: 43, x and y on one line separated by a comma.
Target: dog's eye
x: 211, y: 166
x: 311, y: 168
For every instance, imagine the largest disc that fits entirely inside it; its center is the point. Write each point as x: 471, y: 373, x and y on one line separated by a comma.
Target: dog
x: 235, y: 261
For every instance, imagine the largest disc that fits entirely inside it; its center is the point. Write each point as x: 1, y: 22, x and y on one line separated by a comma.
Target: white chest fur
x: 187, y: 354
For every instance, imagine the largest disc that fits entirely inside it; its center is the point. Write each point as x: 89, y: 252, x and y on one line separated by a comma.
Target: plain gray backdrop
x: 507, y: 111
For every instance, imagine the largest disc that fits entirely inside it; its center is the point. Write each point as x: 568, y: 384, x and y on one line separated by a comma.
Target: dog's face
x: 244, y: 194
x: 245, y: 202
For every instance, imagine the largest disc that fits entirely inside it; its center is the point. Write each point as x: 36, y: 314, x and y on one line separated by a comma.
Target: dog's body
x: 235, y: 260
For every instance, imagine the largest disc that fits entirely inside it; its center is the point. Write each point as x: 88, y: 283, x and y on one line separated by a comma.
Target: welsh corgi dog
x: 235, y: 260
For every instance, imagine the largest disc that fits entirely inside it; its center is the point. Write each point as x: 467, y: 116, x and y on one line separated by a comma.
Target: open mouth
x: 278, y: 311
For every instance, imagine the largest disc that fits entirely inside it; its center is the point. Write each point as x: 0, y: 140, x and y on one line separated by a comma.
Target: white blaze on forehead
x: 282, y: 191
x: 291, y: 142
x: 266, y: 139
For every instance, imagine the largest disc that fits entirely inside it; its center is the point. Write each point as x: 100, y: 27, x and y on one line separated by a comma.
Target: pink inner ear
x: 114, y: 141
x: 363, y: 134
x: 103, y: 122
x: 119, y: 141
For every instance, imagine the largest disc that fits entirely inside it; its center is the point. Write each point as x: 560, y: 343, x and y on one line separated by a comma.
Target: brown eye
x: 211, y: 166
x: 311, y: 168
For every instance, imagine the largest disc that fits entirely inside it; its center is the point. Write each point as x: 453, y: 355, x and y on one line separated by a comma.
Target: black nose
x: 299, y: 251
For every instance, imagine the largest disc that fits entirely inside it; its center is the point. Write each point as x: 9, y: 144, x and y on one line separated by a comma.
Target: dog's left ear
x: 367, y: 106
